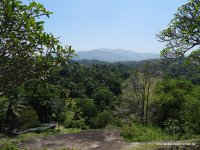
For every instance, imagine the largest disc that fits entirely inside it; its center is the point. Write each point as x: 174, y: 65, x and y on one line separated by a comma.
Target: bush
x: 68, y: 119
x: 88, y: 110
x: 128, y: 132
x: 78, y: 124
x: 103, y: 119
x: 28, y: 118
x: 191, y: 115
x: 72, y: 122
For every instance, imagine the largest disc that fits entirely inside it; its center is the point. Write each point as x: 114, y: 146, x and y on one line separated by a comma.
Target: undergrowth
x: 138, y: 133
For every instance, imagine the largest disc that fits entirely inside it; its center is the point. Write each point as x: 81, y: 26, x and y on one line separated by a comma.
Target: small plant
x: 172, y: 126
x: 7, y: 145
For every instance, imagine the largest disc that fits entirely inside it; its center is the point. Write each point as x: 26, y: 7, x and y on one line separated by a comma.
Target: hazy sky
x: 126, y: 24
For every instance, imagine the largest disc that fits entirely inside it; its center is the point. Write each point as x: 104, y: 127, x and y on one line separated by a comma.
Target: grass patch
x: 156, y: 147
x: 145, y: 147
x: 5, y: 141
x: 138, y: 133
x: 8, y: 145
x: 49, y: 132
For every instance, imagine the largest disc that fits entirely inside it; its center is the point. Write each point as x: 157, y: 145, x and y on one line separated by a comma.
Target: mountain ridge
x: 114, y: 55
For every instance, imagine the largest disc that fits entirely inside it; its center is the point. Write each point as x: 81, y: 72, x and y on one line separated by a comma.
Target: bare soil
x: 85, y: 140
x: 91, y: 140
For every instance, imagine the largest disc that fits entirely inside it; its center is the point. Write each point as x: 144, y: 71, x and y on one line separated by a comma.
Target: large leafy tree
x: 177, y: 106
x: 183, y: 33
x: 26, y: 50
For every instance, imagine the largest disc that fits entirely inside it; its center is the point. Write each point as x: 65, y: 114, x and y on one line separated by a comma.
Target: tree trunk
x: 147, y: 105
x: 58, y: 126
x: 143, y: 108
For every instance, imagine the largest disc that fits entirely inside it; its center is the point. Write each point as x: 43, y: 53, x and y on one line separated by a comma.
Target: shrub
x: 88, y: 110
x: 78, y: 124
x: 72, y: 122
x: 68, y: 118
x: 103, y: 119
x: 28, y: 118
x: 128, y: 132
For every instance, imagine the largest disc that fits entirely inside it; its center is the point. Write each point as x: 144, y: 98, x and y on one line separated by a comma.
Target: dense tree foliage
x: 26, y: 50
x: 183, y: 33
x: 82, y: 96
x: 176, y: 99
x: 70, y: 91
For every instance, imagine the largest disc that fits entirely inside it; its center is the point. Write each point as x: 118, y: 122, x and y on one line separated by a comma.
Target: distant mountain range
x: 114, y: 55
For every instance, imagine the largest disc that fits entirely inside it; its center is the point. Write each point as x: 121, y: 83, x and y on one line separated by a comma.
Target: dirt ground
x: 85, y: 140
x: 90, y: 140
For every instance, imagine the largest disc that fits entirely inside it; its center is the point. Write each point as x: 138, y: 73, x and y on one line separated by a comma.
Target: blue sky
x: 126, y: 24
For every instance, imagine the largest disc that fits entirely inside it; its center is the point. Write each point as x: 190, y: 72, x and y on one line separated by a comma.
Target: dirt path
x: 86, y: 140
